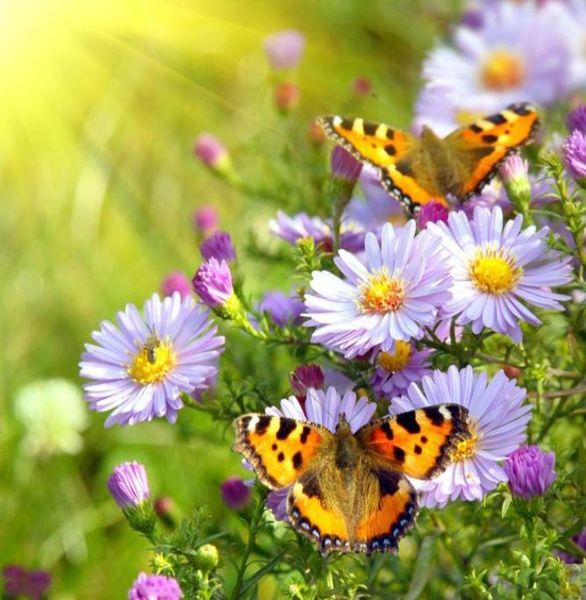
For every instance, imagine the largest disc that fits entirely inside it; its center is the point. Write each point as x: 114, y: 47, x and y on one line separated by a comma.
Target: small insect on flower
x: 348, y: 482
x: 150, y: 347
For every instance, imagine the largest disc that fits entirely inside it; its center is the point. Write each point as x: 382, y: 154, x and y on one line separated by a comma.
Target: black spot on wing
x: 297, y: 460
x: 390, y: 134
x: 311, y: 487
x: 280, y: 457
x: 390, y: 150
x: 409, y: 422
x: 399, y: 454
x: 347, y: 124
x: 476, y: 128
x: 369, y: 128
x: 489, y: 138
x: 388, y: 481
x: 418, y: 449
x: 387, y: 430
x: 404, y: 167
x: 434, y: 415
x: 522, y: 109
x: 262, y: 424
x: 497, y: 119
x: 285, y: 428
x: 423, y: 439
x: 304, y: 434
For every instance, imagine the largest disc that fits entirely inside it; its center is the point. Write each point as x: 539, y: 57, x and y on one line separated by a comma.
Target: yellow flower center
x: 152, y: 363
x: 466, y: 448
x: 503, y: 70
x: 493, y: 273
x: 397, y: 361
x: 382, y: 293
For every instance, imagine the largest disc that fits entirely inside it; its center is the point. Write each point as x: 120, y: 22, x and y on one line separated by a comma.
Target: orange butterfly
x: 349, y: 490
x: 415, y: 170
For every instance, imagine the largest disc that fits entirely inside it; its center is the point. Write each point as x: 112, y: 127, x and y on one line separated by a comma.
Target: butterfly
x: 348, y: 490
x: 416, y: 170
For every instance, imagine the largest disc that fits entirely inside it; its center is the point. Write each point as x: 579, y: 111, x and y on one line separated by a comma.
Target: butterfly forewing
x: 418, y: 443
x: 279, y: 449
x: 480, y: 148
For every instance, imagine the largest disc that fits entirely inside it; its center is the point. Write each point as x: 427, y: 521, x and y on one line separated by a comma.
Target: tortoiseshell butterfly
x: 416, y: 170
x: 348, y: 490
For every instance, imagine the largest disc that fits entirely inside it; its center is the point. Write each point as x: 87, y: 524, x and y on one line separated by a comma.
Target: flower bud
x: 515, y: 177
x: 205, y: 219
x: 206, y: 557
x: 574, y: 156
x: 213, y: 283
x: 512, y: 372
x: 316, y: 134
x: 432, y: 212
x: 530, y: 471
x: 219, y: 246
x: 576, y: 118
x: 154, y: 586
x: 284, y: 48
x: 286, y: 96
x: 362, y: 86
x: 176, y: 282
x: 235, y: 493
x: 212, y: 153
x: 304, y: 377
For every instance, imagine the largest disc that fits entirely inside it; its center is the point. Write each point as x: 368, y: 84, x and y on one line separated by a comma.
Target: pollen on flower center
x: 143, y: 371
x: 503, y: 70
x: 396, y: 361
x: 466, y: 448
x: 493, y: 273
x: 381, y: 294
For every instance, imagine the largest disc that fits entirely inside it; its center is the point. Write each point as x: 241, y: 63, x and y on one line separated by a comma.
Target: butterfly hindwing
x: 389, y: 512
x: 480, y: 148
x: 313, y: 515
x: 383, y: 147
x: 418, y: 443
x: 279, y: 449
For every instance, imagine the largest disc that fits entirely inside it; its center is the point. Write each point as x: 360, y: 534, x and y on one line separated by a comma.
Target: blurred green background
x: 100, y: 105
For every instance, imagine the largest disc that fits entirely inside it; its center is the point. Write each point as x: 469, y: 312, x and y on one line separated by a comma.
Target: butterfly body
x: 417, y: 170
x: 348, y: 489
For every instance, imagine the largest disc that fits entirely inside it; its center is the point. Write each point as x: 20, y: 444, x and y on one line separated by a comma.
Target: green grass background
x: 101, y: 103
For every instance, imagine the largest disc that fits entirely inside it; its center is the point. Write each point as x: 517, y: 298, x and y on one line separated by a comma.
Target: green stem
x: 252, y: 529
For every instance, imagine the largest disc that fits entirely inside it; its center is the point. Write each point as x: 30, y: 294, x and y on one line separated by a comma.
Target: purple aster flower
x: 20, y: 582
x: 281, y: 308
x: 432, y: 212
x: 574, y: 154
x: 284, y: 49
x: 211, y: 152
x: 576, y: 118
x: 530, y: 471
x: 305, y: 377
x: 205, y: 219
x: 154, y: 587
x: 394, y: 296
x: 235, y: 493
x: 139, y: 368
x: 575, y: 28
x: 324, y: 408
x: 219, y: 246
x: 396, y: 370
x: 497, y: 421
x: 300, y: 226
x: 344, y: 165
x: 176, y: 282
x: 128, y: 484
x: 213, y: 283
x: 519, y: 52
x: 494, y: 268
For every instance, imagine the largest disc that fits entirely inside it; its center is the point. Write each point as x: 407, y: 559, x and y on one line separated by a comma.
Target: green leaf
x: 506, y: 504
x: 254, y: 579
x: 422, y: 569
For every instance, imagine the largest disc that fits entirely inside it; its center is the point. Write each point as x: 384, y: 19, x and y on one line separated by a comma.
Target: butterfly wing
x: 370, y: 515
x: 478, y: 149
x: 388, y: 149
x: 389, y: 511
x: 279, y: 449
x: 315, y: 514
x: 418, y: 443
